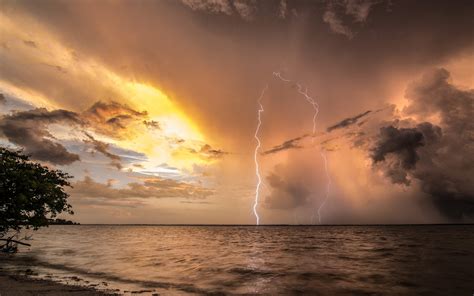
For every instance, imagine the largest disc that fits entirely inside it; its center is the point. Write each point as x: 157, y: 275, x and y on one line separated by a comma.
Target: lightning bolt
x: 315, y: 105
x: 308, y: 98
x: 257, y: 168
x: 328, y: 186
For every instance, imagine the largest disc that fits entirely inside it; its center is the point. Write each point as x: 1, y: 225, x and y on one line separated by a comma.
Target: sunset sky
x: 152, y: 106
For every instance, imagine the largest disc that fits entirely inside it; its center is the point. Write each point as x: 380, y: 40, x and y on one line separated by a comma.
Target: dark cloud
x: 30, y: 43
x: 210, y: 152
x: 103, y: 148
x: 289, y: 144
x: 196, y: 202
x: 152, y: 124
x: 57, y: 68
x: 246, y: 9
x: 215, y: 6
x: 42, y: 115
x: 434, y: 95
x: 440, y: 158
x: 176, y: 141
x: 112, y: 118
x: 207, y: 152
x: 295, y: 143
x: 2, y: 98
x: 29, y: 129
x: 359, y: 9
x: 403, y: 143
x: 104, y: 110
x: 348, y: 121
x: 337, y: 11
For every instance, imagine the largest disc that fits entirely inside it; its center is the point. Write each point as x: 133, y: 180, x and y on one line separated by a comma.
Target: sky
x: 366, y: 108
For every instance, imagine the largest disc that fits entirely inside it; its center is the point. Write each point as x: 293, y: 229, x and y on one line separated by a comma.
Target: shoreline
x: 20, y: 284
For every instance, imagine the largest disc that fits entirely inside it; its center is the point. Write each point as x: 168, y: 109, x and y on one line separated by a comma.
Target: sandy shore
x: 20, y: 285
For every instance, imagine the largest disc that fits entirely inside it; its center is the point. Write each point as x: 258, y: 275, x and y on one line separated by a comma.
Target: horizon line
x: 262, y: 225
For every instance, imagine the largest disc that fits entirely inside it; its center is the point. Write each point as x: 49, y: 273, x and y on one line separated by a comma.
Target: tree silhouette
x: 30, y: 194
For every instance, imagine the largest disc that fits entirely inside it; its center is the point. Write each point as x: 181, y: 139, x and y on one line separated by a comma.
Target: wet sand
x: 22, y: 285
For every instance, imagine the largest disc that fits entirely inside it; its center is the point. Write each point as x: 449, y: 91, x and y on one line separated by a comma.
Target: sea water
x: 284, y: 260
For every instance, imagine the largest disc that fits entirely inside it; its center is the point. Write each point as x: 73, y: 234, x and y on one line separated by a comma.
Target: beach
x: 22, y: 285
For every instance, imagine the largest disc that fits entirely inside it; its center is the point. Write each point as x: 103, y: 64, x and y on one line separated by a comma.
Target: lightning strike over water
x: 315, y: 106
x: 328, y: 186
x: 257, y: 168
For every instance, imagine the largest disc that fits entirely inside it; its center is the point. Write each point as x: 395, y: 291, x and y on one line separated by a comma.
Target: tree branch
x: 15, y: 241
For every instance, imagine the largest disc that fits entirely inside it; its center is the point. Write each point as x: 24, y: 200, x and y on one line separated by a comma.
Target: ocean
x: 283, y: 260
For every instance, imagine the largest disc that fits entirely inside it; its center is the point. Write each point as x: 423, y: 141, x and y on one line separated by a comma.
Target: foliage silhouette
x: 30, y: 194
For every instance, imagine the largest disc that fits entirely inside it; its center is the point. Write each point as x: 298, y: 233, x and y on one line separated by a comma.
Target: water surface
x: 316, y: 260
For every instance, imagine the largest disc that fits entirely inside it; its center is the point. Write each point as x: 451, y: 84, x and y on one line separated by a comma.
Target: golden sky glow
x: 44, y: 50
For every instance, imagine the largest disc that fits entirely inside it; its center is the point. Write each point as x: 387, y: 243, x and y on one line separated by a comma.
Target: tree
x: 30, y: 194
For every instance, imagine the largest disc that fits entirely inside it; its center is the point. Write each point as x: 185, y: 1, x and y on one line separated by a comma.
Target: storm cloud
x: 112, y: 118
x: 403, y: 143
x: 289, y: 144
x: 206, y: 151
x: 103, y: 148
x: 338, y: 10
x: 286, y: 194
x: 209, y: 60
x: 29, y: 129
x: 348, y: 121
x: 440, y: 158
